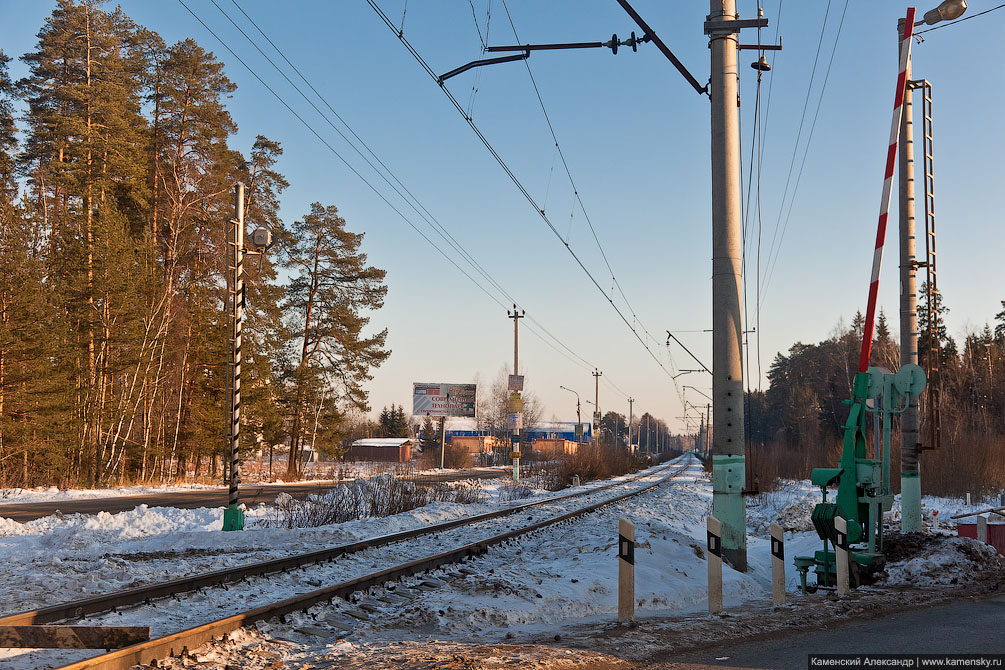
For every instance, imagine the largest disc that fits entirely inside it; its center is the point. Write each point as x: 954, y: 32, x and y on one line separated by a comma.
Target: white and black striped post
x: 841, y: 555
x: 714, y: 551
x: 233, y: 516
x: 777, y: 564
x: 626, y: 570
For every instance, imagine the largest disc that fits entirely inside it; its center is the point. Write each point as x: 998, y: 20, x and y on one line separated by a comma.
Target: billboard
x: 444, y: 399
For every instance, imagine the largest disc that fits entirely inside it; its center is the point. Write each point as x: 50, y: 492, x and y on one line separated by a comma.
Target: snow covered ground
x: 317, y: 472
x: 60, y: 558
x: 563, y: 575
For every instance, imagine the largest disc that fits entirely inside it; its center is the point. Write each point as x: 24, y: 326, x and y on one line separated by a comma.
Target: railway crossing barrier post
x: 714, y: 565
x: 841, y: 555
x: 777, y: 564
x: 982, y: 529
x: 626, y: 570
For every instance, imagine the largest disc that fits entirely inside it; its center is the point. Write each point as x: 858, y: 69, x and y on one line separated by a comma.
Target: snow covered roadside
x: 558, y: 587
x: 63, y: 557
x: 325, y: 473
x: 53, y: 494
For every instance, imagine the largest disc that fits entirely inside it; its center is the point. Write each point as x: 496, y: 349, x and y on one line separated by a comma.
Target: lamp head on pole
x: 946, y: 11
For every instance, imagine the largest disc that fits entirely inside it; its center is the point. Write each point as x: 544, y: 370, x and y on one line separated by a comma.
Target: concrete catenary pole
x: 631, y: 402
x: 233, y: 517
x: 728, y: 467
x: 910, y: 472
x: 516, y: 316
x: 596, y: 406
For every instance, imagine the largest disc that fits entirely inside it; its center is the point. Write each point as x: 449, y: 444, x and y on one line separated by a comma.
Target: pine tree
x: 430, y: 440
x: 84, y: 158
x: 329, y: 292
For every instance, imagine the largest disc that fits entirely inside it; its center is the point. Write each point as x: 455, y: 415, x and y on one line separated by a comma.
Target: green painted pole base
x: 728, y: 475
x: 910, y: 503
x: 233, y: 518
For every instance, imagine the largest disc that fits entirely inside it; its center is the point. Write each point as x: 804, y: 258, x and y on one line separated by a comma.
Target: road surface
x: 251, y: 494
x: 963, y: 627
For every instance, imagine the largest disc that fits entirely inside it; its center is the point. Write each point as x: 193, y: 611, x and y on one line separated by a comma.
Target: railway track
x: 236, y: 578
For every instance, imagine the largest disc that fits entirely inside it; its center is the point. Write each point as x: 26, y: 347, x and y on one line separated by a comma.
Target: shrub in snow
x: 378, y: 496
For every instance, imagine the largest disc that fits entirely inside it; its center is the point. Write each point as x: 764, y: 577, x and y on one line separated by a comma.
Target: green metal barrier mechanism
x: 863, y: 483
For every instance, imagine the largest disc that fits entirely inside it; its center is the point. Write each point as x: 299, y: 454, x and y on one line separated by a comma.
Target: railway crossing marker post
x: 626, y: 570
x: 714, y: 565
x: 777, y: 564
x: 841, y: 555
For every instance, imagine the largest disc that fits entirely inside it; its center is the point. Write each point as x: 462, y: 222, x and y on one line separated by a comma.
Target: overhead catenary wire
x: 415, y: 204
x: 513, y: 177
x: 773, y: 260
x: 799, y: 132
x: 576, y: 194
x: 578, y: 360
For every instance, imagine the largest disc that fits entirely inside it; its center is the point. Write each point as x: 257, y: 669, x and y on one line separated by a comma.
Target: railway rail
x: 190, y: 638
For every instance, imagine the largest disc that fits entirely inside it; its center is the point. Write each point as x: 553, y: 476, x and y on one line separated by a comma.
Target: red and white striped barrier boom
x: 884, y: 205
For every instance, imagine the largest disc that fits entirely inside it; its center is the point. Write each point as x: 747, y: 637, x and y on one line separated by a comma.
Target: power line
x: 575, y: 358
x: 509, y: 172
x: 772, y: 262
x: 799, y: 132
x: 575, y: 189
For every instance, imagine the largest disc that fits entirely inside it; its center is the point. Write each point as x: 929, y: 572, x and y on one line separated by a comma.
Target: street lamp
x: 579, y: 417
x: 947, y: 11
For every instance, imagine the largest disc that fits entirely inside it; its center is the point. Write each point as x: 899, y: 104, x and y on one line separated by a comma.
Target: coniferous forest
x: 117, y: 176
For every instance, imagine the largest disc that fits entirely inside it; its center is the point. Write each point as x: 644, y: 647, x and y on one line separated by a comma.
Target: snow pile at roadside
x: 944, y: 560
x: 789, y: 505
x: 51, y: 493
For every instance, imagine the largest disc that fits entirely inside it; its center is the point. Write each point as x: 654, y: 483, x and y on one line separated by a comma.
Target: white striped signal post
x: 777, y: 564
x: 714, y: 551
x: 233, y: 516
x: 626, y: 570
x: 841, y: 555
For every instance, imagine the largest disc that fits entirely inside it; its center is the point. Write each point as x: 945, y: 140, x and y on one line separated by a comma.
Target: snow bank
x: 943, y: 560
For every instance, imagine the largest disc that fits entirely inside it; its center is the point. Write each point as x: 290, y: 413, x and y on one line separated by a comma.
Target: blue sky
x: 636, y: 139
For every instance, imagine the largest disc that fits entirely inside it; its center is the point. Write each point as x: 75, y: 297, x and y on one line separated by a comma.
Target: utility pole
x: 233, y: 516
x: 910, y: 472
x: 517, y: 425
x: 596, y: 406
x: 631, y: 401
x: 727, y: 373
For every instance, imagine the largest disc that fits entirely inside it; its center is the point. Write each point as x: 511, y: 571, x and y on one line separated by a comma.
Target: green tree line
x: 117, y: 173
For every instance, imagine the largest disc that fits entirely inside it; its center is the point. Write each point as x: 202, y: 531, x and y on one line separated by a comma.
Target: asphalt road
x: 251, y: 494
x: 963, y: 627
